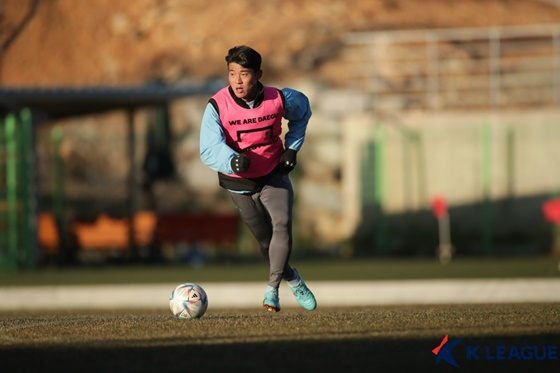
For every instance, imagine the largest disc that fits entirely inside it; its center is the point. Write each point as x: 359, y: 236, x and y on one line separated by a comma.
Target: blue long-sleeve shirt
x: 217, y: 155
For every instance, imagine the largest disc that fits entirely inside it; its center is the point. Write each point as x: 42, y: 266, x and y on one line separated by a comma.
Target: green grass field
x: 329, y: 339
x: 317, y: 270
x: 357, y: 339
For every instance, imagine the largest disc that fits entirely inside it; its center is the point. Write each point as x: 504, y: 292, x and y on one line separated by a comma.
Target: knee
x: 281, y: 223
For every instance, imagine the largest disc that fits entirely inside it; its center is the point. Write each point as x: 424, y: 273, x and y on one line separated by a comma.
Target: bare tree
x: 33, y: 5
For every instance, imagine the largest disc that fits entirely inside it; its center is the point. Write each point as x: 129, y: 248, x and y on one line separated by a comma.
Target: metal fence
x: 467, y: 68
x: 17, y: 201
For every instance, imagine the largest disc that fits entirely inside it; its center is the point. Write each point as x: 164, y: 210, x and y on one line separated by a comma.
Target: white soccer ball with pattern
x: 188, y: 301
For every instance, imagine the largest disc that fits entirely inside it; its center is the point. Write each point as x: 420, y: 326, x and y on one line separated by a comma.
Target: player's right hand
x: 240, y: 163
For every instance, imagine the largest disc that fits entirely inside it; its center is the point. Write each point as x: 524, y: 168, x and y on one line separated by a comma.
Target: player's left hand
x: 288, y: 160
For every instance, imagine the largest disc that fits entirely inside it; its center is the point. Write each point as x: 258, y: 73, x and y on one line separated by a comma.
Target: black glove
x: 240, y: 163
x: 289, y: 159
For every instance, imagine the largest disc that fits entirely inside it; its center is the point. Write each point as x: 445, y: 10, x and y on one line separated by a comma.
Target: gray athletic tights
x: 268, y: 215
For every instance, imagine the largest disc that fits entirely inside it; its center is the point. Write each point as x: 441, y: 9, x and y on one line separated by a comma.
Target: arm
x: 297, y: 111
x: 213, y: 149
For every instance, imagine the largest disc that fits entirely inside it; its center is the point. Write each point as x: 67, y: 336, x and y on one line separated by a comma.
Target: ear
x: 259, y: 74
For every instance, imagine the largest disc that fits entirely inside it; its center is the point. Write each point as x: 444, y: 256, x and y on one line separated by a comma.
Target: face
x: 243, y: 81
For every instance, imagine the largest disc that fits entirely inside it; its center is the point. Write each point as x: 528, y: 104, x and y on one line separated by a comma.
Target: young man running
x: 240, y: 139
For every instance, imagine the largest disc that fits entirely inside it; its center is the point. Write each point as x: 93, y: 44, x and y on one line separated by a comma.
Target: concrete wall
x: 504, y: 163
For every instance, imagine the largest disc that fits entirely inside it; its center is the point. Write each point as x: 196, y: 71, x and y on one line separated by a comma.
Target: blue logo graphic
x: 443, y: 351
x: 481, y: 353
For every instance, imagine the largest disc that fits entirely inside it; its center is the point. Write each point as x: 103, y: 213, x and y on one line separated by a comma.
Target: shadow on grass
x: 388, y: 354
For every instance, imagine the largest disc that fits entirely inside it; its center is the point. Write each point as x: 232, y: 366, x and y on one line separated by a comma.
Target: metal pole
x: 131, y: 182
x: 11, y: 191
x: 556, y: 64
x: 27, y: 252
x: 33, y: 184
x: 486, y: 181
x: 58, y: 195
x: 379, y: 189
x: 432, y: 93
x: 510, y: 159
x: 421, y: 166
x: 445, y: 249
x: 3, y: 190
x: 495, y: 71
x: 372, y: 77
x: 407, y: 139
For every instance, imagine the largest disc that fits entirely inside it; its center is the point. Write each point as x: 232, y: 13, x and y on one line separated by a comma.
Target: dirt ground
x: 377, y: 339
x: 68, y: 42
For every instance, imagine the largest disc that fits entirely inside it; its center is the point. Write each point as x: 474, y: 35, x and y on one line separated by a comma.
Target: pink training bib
x: 255, y: 132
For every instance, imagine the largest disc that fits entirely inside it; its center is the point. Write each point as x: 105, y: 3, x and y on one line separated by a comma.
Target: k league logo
x: 443, y: 351
x: 494, y: 353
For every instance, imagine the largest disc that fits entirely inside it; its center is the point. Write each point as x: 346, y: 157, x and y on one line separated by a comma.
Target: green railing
x: 17, y: 217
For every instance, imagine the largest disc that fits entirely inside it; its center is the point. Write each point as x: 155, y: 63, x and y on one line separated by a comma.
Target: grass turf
x: 317, y: 270
x: 358, y: 339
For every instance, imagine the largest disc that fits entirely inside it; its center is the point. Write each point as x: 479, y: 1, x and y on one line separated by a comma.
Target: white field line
x: 328, y: 293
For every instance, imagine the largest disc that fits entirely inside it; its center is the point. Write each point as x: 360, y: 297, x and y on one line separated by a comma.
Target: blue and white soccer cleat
x: 303, y: 295
x: 271, y: 300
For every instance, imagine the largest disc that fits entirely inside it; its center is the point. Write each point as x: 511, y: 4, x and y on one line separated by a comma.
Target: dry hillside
x: 74, y: 42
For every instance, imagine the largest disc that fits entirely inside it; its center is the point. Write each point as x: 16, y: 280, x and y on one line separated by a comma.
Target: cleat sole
x: 270, y: 308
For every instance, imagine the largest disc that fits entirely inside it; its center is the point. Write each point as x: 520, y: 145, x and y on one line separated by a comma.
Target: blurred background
x: 435, y: 129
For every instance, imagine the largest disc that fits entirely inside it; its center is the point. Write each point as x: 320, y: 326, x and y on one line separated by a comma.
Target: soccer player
x: 240, y: 139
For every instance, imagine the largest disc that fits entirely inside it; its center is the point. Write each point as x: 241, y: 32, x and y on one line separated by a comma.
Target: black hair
x: 245, y: 56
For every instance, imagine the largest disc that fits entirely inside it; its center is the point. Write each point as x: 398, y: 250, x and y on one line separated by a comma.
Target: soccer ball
x: 188, y: 301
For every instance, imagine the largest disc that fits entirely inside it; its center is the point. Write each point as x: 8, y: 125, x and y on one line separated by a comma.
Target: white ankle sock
x: 295, y: 282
